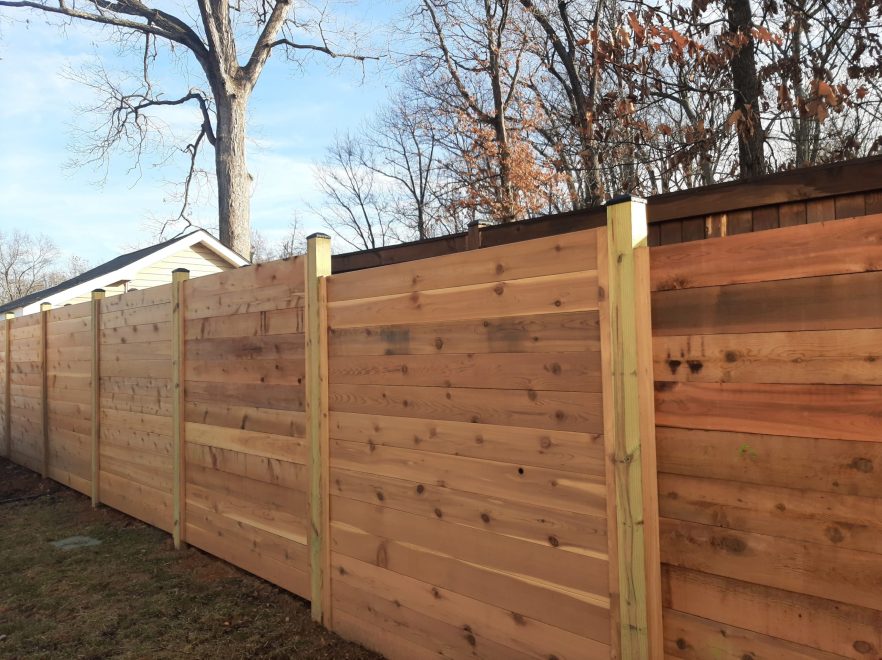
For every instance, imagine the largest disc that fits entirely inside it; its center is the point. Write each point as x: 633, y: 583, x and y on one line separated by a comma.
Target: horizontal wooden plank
x: 827, y: 248
x: 570, y: 292
x: 126, y: 465
x: 264, y: 299
x: 69, y: 326
x: 836, y: 302
x: 137, y: 500
x: 137, y: 334
x: 276, y: 397
x: 253, y: 324
x: 396, y: 620
x: 818, y: 570
x: 587, y: 574
x: 540, y: 486
x: 136, y: 316
x: 255, y: 558
x: 839, y: 412
x: 136, y: 404
x: 129, y: 370
x: 560, y: 450
x: 695, y: 638
x: 827, y: 357
x: 520, y: 633
x: 564, y: 530
x: 273, y: 508
x: 569, y: 372
x: 141, y: 351
x: 155, y: 424
x: 571, y: 610
x: 276, y: 371
x: 260, y: 420
x: 70, y: 312
x: 75, y: 481
x: 818, y: 623
x: 548, y: 333
x: 268, y: 445
x: 834, y: 466
x: 282, y: 271
x: 563, y: 411
x: 260, y: 468
x: 544, y: 256
x: 154, y: 295
x: 376, y: 639
x: 268, y: 347
x: 804, y: 515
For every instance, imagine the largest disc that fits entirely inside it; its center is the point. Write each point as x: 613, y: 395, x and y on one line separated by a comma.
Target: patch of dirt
x: 133, y: 596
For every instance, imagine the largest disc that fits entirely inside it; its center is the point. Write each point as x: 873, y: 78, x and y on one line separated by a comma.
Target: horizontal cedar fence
x: 468, y: 485
x: 768, y: 369
x: 465, y: 456
x: 816, y: 194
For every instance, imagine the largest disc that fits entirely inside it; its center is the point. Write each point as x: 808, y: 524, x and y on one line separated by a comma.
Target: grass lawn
x: 133, y: 596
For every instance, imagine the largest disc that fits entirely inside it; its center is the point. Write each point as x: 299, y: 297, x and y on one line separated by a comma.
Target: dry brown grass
x: 133, y: 596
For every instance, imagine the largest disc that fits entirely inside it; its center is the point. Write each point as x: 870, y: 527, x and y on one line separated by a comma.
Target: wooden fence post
x: 629, y: 426
x: 179, y: 495
x: 318, y: 267
x: 44, y: 386
x: 474, y: 238
x: 97, y: 297
x: 7, y: 392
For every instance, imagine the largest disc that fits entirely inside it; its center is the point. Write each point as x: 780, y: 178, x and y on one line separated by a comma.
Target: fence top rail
x: 861, y: 175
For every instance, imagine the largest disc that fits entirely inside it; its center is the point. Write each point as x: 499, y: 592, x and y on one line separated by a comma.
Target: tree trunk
x: 233, y: 179
x: 745, y: 79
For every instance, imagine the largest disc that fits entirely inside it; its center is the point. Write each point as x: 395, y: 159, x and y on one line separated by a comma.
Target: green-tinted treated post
x: 318, y: 267
x: 7, y: 389
x: 44, y: 385
x: 97, y: 297
x: 629, y: 425
x: 179, y: 479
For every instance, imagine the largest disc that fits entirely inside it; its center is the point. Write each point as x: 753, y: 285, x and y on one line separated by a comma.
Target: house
x: 198, y: 251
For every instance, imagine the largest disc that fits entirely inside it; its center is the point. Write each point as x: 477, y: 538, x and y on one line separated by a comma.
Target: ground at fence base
x: 133, y: 596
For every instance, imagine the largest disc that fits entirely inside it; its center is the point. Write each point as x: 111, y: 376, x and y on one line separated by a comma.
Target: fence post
x: 179, y: 495
x: 629, y: 427
x: 97, y: 297
x: 7, y: 392
x: 44, y: 386
x: 318, y: 268
x: 474, y: 238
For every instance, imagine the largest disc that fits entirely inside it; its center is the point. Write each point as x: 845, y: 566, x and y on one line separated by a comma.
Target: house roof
x: 124, y: 266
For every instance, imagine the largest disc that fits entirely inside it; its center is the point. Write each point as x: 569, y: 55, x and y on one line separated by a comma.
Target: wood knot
x: 862, y: 647
x: 864, y: 465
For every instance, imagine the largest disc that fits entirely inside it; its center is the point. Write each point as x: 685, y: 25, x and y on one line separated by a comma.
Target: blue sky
x: 294, y: 115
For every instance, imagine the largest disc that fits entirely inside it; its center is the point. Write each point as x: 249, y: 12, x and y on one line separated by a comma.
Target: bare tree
x: 356, y: 206
x: 211, y: 33
x: 26, y: 264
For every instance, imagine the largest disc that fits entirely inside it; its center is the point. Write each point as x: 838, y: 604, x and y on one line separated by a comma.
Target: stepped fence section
x: 565, y: 447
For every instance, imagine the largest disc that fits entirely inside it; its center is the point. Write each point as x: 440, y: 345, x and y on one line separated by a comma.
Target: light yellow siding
x: 110, y: 290
x: 198, y: 259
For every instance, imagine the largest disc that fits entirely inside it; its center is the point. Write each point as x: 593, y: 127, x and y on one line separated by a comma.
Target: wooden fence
x: 456, y: 456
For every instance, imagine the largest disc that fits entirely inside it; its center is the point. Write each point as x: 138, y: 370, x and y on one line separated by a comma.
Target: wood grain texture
x: 834, y: 357
x: 538, y: 295
x: 548, y: 333
x: 831, y: 248
x: 834, y: 302
x: 546, y: 256
x: 837, y: 412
